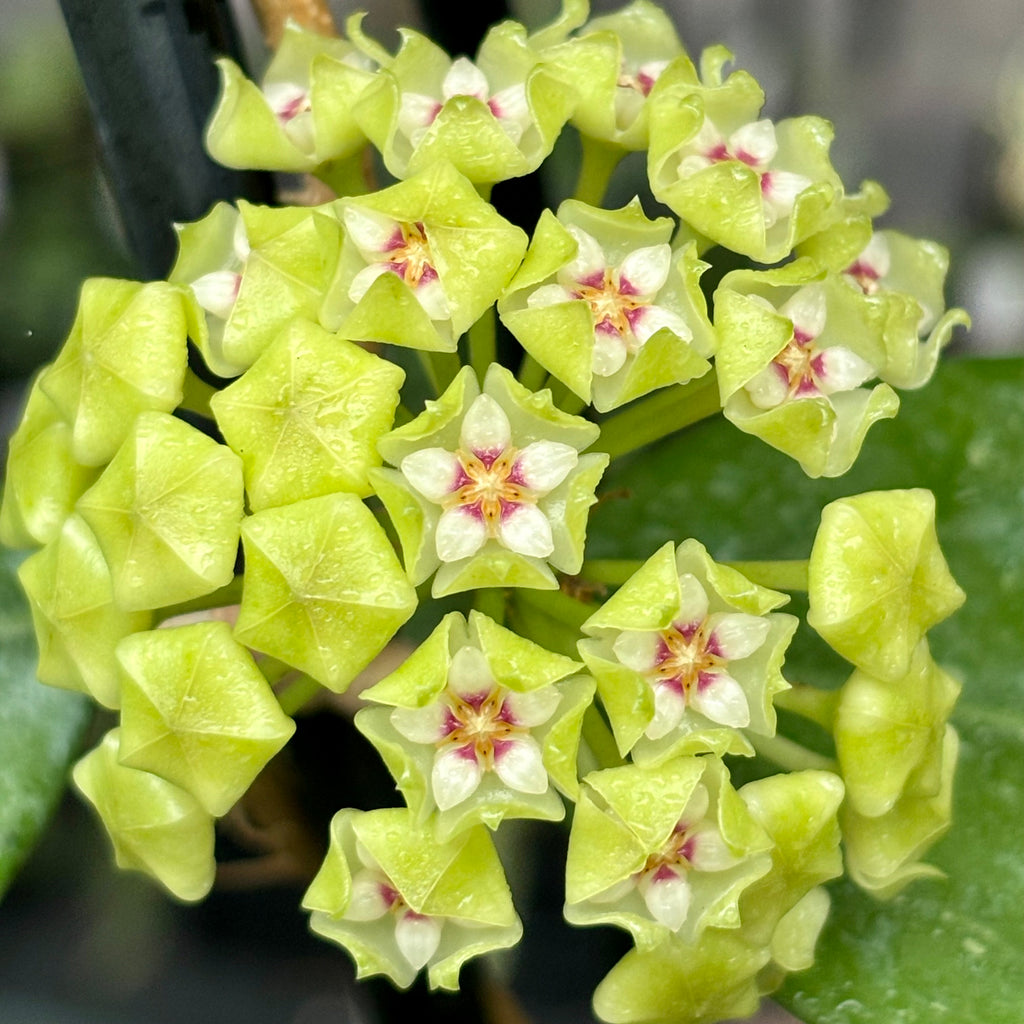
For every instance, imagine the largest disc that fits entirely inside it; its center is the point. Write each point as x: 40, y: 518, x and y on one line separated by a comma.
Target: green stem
x: 492, y: 602
x: 483, y: 343
x: 566, y: 400
x: 599, y: 740
x: 609, y: 570
x: 440, y: 368
x: 531, y: 373
x: 298, y: 693
x: 228, y: 595
x: 558, y: 606
x: 809, y: 702
x: 599, y: 161
x: 790, y: 755
x: 782, y: 575
x: 659, y: 415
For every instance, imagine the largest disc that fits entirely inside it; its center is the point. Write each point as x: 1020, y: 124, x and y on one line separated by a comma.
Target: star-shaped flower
x: 482, y: 725
x: 399, y: 900
x: 686, y: 656
x: 662, y: 851
x: 494, y: 504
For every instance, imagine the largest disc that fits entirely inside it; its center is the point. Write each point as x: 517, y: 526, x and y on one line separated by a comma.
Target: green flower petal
x: 878, y: 580
x: 43, y: 479
x: 126, y: 354
x: 626, y: 816
x: 473, y: 250
x: 77, y: 623
x: 197, y: 711
x: 515, y: 664
x: 460, y: 883
x: 166, y: 513
x: 155, y: 827
x: 306, y: 416
x: 650, y: 601
x: 323, y: 589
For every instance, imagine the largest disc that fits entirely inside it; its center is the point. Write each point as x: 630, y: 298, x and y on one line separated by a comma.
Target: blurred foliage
x: 55, y: 225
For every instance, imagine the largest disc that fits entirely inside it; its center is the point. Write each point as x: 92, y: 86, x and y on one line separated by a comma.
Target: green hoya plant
x: 367, y: 456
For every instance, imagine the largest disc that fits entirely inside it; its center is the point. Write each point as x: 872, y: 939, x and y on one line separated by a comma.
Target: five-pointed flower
x: 686, y: 656
x: 756, y: 146
x: 493, y: 118
x: 804, y: 368
x: 710, y: 152
x: 399, y: 900
x: 477, y: 726
x: 494, y: 504
x: 687, y: 663
x: 421, y: 262
x: 480, y: 724
x: 662, y: 850
x: 622, y: 299
x: 795, y: 345
x: 607, y: 306
x: 299, y: 117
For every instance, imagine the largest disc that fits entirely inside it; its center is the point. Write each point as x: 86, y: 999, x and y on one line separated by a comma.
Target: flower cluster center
x: 684, y: 655
x: 488, y: 485
x: 479, y: 725
x: 408, y: 254
x: 610, y: 305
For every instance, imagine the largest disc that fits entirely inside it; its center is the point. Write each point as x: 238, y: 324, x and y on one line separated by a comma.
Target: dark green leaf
x: 943, y: 950
x: 40, y: 730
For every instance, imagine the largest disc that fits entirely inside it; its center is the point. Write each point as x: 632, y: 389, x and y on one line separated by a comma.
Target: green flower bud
x: 300, y: 115
x: 323, y: 588
x: 798, y: 810
x: 614, y: 63
x: 481, y: 725
x: 166, y: 513
x: 249, y: 272
x: 398, y: 900
x: 897, y: 755
x: 686, y: 657
x: 493, y: 119
x: 606, y: 306
x: 490, y: 487
x: 877, y: 579
x: 126, y: 354
x: 755, y: 187
x: 794, y: 347
x: 76, y: 621
x: 196, y: 711
x: 306, y: 416
x: 155, y: 827
x: 43, y: 479
x: 705, y: 983
x: 664, y: 851
x: 421, y: 262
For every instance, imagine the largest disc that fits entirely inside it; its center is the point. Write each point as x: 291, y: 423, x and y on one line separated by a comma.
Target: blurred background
x: 927, y: 97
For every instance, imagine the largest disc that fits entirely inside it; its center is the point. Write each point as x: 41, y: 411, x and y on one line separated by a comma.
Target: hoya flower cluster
x: 240, y: 483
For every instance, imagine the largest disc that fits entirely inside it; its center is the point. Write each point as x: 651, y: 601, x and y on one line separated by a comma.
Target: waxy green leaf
x: 40, y: 731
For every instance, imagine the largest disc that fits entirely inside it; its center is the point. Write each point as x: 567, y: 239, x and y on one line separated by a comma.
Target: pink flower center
x: 613, y: 306
x: 489, y: 484
x: 799, y: 365
x: 408, y: 254
x: 674, y: 856
x: 685, y: 655
x: 480, y: 726
x: 865, y: 275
